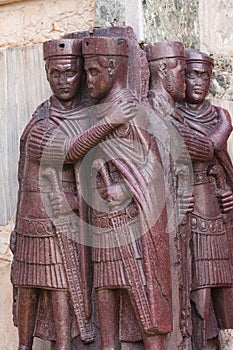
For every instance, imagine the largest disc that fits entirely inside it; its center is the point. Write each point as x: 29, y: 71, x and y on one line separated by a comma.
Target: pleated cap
x: 165, y: 49
x: 105, y: 46
x: 198, y: 56
x: 62, y: 47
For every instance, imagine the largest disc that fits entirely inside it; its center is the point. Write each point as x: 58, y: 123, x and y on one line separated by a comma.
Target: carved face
x: 64, y: 76
x: 197, y: 82
x: 99, y: 78
x: 174, y: 82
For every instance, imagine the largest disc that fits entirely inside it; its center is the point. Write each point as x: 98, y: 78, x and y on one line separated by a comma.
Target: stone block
x: 215, y: 18
x: 25, y: 22
x: 226, y: 339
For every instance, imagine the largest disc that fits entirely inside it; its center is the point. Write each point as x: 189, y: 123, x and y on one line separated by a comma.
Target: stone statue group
x: 125, y: 157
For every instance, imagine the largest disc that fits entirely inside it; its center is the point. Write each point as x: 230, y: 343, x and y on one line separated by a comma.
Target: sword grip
x: 52, y: 176
x: 99, y: 165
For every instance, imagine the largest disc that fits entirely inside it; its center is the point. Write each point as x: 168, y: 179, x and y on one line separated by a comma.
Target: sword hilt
x: 218, y: 173
x: 52, y: 176
x: 99, y: 165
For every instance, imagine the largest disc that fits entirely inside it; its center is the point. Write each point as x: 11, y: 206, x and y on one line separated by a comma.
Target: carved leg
x: 62, y: 319
x: 154, y: 342
x: 223, y: 306
x: 27, y: 311
x: 108, y: 309
x: 200, y: 315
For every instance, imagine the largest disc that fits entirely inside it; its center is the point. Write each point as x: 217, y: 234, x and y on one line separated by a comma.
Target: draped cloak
x: 38, y: 260
x: 154, y: 240
x: 131, y: 156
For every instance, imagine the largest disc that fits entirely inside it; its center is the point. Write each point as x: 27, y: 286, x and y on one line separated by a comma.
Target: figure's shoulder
x: 42, y: 111
x: 223, y: 114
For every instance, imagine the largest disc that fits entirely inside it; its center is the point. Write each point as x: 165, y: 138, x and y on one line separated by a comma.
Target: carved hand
x: 121, y: 113
x: 225, y: 199
x: 115, y: 194
x: 199, y: 148
x: 60, y: 205
x: 186, y: 203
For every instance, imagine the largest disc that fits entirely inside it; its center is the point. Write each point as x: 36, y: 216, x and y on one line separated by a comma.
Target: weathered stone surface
x: 222, y: 81
x: 5, y: 253
x: 23, y: 87
x: 8, y: 1
x: 216, y: 18
x: 110, y: 13
x: 39, y: 344
x: 171, y: 20
x: 36, y: 21
x: 8, y: 334
x: 134, y: 17
x: 226, y: 339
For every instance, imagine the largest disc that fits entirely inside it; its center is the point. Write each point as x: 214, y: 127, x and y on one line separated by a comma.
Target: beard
x: 175, y: 86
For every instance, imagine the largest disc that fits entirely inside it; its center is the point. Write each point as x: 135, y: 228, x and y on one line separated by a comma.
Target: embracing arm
x: 201, y: 148
x: 195, y: 146
x: 48, y: 143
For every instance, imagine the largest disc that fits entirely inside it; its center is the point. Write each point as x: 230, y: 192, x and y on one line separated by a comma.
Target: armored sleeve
x: 48, y: 143
x: 198, y: 147
x: 40, y: 142
x: 223, y: 129
x: 77, y: 147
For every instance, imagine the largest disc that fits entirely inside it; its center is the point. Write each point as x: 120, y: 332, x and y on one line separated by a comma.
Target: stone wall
x: 110, y: 13
x: 34, y: 21
x: 171, y: 20
x: 216, y: 37
x: 8, y: 334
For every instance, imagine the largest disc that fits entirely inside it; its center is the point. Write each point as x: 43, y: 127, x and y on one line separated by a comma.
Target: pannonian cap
x: 165, y: 49
x: 105, y: 46
x: 197, y: 56
x: 62, y: 47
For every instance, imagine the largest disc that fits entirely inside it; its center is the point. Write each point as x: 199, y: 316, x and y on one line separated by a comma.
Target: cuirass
x: 204, y: 190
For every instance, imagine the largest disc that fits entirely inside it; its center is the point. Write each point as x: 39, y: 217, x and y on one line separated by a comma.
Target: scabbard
x: 66, y: 241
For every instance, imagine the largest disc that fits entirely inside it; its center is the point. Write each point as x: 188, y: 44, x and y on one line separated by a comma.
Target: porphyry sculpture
x: 130, y: 246
x: 209, y: 129
x: 50, y: 267
x: 167, y: 87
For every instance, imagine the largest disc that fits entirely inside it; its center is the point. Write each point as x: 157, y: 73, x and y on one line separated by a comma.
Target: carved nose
x: 63, y: 78
x: 199, y: 81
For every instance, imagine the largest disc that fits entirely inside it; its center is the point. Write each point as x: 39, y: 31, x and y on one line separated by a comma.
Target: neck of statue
x: 66, y: 105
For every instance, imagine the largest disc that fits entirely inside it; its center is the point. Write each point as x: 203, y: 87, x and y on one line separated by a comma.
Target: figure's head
x: 106, y: 64
x: 198, y: 74
x: 64, y: 67
x: 167, y: 67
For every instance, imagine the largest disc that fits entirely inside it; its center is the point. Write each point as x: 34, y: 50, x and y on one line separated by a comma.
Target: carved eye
x: 70, y: 74
x: 55, y: 74
x: 93, y: 72
x: 205, y: 76
x: 191, y: 75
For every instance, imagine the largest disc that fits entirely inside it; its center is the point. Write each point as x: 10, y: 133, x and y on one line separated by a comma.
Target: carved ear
x: 111, y: 67
x: 162, y: 69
